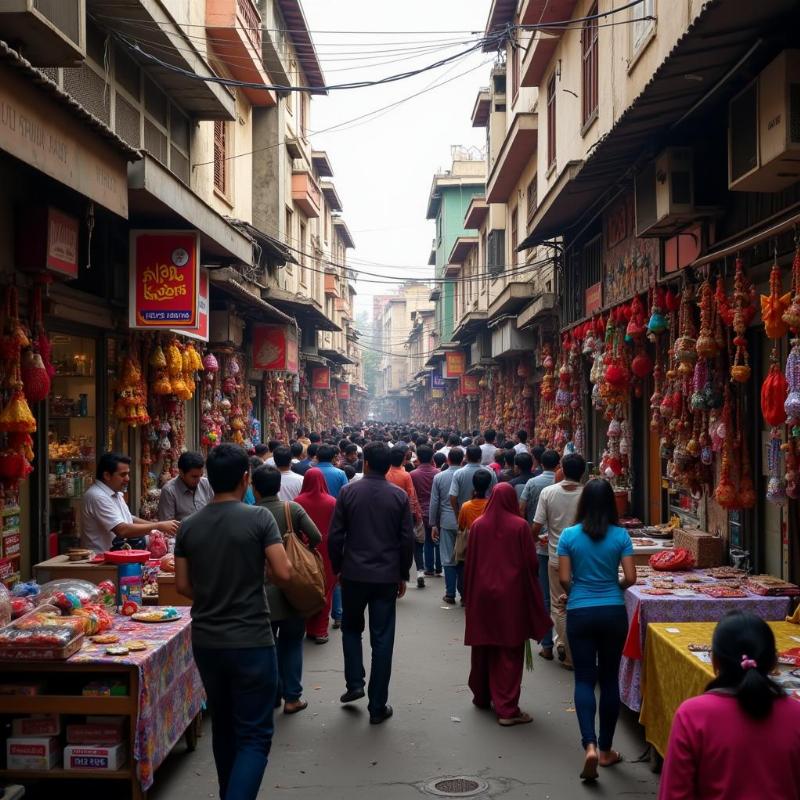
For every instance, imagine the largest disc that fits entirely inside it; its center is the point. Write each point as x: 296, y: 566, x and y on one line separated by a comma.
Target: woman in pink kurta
x: 741, y: 739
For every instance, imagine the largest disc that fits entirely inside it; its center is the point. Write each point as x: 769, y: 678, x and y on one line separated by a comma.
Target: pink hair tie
x: 748, y: 663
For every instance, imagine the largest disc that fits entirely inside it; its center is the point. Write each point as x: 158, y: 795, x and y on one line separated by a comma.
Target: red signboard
x: 321, y: 378
x: 200, y: 331
x: 594, y: 298
x: 343, y: 391
x: 455, y: 364
x: 164, y: 279
x: 62, y: 243
x: 275, y: 348
x: 469, y: 385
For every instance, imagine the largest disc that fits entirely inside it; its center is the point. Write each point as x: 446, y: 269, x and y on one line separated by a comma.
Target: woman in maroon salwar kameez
x: 504, y: 604
x: 319, y: 505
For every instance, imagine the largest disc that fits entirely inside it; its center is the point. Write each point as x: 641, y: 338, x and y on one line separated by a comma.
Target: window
x: 551, y: 121
x: 288, y: 235
x: 302, y: 107
x: 290, y: 95
x: 531, y: 199
x: 514, y: 236
x: 589, y: 52
x: 516, y: 47
x: 642, y: 27
x: 302, y: 246
x: 220, y: 156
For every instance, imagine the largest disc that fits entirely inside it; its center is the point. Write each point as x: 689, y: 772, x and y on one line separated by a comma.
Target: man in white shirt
x: 522, y: 442
x: 556, y: 511
x: 291, y: 482
x: 452, y: 441
x: 106, y: 520
x: 489, y: 447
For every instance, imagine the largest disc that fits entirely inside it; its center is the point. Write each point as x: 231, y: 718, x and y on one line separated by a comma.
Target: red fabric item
x: 496, y: 676
x: 501, y: 577
x: 633, y: 644
x: 319, y: 505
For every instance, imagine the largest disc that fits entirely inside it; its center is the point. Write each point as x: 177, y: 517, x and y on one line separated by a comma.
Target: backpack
x: 305, y: 589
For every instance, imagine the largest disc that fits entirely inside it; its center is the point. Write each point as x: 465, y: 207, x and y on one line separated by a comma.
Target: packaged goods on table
x: 95, y: 756
x: 37, y: 725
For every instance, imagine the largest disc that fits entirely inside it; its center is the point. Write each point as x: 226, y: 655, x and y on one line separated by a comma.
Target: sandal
x: 546, y: 653
x: 293, y: 708
x: 521, y: 719
x: 589, y: 772
x: 617, y: 758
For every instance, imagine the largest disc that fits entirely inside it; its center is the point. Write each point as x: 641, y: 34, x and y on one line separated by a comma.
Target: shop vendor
x: 187, y: 492
x: 106, y: 520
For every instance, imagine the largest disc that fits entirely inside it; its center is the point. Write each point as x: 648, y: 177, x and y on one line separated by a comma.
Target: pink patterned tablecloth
x: 170, y: 690
x: 674, y: 608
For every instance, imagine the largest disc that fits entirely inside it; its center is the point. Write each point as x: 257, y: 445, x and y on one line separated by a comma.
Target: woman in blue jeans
x: 589, y: 556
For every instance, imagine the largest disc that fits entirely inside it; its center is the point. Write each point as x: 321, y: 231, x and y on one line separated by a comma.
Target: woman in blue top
x: 589, y: 556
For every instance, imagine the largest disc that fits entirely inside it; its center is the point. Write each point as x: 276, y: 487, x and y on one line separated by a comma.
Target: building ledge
x: 511, y: 299
x: 515, y: 153
x: 544, y: 305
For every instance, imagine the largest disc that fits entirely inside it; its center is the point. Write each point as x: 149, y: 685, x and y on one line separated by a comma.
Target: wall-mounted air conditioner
x: 49, y: 33
x: 764, y: 129
x: 308, y: 341
x: 665, y: 193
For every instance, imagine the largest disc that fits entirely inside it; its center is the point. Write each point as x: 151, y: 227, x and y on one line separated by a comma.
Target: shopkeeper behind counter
x: 186, y: 493
x: 107, y: 523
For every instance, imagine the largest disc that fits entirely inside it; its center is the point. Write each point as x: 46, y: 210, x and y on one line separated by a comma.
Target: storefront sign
x: 321, y: 378
x: 201, y: 330
x: 275, y: 348
x: 164, y: 279
x: 594, y: 298
x: 455, y: 364
x: 41, y: 133
x: 47, y: 239
x: 437, y: 381
x: 469, y: 385
x: 437, y: 394
x: 343, y: 391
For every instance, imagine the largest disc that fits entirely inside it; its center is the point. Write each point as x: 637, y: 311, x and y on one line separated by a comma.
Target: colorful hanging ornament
x: 743, y: 312
x: 791, y: 316
x: 706, y: 344
x: 774, y: 305
x: 35, y: 377
x: 792, y: 373
x: 776, y: 491
x: 725, y: 493
x: 774, y: 394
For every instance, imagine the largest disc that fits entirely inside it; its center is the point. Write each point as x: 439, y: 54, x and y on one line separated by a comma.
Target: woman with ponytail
x: 741, y: 738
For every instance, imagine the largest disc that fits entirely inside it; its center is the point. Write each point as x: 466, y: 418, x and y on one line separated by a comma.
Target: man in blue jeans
x: 371, y: 546
x: 231, y: 633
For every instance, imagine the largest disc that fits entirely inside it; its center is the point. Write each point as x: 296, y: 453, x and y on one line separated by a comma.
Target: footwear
x: 293, y: 708
x: 451, y: 601
x: 429, y: 573
x: 437, y: 574
x: 567, y: 667
x: 337, y: 623
x: 321, y: 639
x: 546, y: 653
x: 521, y: 719
x: 589, y: 772
x: 420, y: 582
x: 616, y: 758
x: 562, y: 652
x: 351, y: 695
x: 383, y: 716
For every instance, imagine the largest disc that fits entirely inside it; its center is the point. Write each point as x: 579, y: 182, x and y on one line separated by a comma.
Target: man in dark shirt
x: 422, y: 478
x: 231, y: 633
x: 523, y: 472
x: 371, y: 546
x: 301, y: 467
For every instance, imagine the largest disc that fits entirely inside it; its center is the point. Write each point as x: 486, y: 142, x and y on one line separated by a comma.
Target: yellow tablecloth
x: 673, y: 673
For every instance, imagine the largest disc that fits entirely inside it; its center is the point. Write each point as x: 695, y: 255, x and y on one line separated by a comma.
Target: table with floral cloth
x: 673, y: 673
x: 644, y: 609
x: 170, y: 690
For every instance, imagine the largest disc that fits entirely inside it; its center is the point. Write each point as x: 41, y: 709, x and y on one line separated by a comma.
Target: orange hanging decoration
x: 774, y: 305
x: 16, y: 417
x: 743, y: 312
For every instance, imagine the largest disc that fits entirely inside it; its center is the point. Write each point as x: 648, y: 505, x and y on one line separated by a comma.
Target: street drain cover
x: 459, y: 786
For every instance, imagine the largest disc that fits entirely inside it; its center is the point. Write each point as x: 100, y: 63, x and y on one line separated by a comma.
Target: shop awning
x: 250, y: 304
x: 720, y: 39
x: 159, y: 200
x: 303, y: 308
x: 336, y: 357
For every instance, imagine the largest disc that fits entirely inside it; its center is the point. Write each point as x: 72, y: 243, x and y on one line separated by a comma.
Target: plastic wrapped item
x: 168, y: 563
x: 69, y: 593
x: 20, y: 606
x: 95, y: 618
x: 28, y: 589
x: 41, y: 634
x: 5, y: 606
x: 157, y: 544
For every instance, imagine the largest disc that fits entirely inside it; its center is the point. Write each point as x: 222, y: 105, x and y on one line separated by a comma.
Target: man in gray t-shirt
x: 221, y: 554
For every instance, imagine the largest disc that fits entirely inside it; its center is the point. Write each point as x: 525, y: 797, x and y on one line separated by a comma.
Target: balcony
x: 305, y: 193
x: 543, y: 44
x: 517, y: 149
x: 331, y: 287
x: 234, y: 27
x: 481, y: 109
x: 49, y: 33
x: 514, y: 296
x: 477, y: 211
x: 462, y: 247
x: 331, y: 196
x: 539, y: 12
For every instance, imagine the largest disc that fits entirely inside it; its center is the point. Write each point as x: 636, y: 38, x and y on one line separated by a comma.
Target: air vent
x: 90, y: 90
x: 155, y: 142
x: 127, y: 122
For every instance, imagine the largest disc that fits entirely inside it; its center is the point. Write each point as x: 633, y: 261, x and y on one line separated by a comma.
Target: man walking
x: 522, y: 442
x: 422, y: 477
x: 461, y: 488
x: 444, y: 526
x: 371, y: 545
x: 555, y: 511
x: 231, y: 633
x: 335, y: 478
x: 291, y: 482
x: 488, y: 447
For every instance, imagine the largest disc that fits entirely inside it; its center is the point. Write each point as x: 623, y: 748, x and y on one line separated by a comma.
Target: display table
x: 164, y: 696
x: 674, y: 608
x: 642, y: 553
x: 673, y: 673
x: 61, y: 567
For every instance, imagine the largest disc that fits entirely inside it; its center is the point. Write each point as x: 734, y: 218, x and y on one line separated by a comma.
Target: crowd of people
x: 530, y: 548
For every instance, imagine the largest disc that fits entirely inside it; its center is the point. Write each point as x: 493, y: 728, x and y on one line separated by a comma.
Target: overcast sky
x: 383, y: 166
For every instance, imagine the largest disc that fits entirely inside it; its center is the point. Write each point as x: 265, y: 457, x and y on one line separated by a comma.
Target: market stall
x: 678, y: 666
x: 675, y: 597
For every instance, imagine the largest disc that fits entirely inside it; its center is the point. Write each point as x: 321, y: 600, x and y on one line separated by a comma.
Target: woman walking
x: 319, y: 505
x: 742, y: 737
x: 504, y: 604
x: 589, y: 556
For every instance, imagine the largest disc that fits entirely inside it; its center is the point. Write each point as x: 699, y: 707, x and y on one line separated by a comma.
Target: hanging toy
x: 774, y: 305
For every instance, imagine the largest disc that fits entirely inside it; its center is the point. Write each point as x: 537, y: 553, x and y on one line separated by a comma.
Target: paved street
x: 334, y: 753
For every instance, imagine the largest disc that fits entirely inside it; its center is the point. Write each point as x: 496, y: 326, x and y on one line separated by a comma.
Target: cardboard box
x: 92, y: 757
x: 109, y: 731
x: 42, y: 753
x: 11, y: 544
x: 25, y: 689
x: 37, y: 725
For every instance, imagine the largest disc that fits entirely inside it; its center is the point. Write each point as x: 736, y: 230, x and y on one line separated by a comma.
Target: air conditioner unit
x: 225, y: 328
x: 764, y: 129
x: 49, y: 33
x: 665, y: 193
x: 481, y: 349
x: 308, y: 341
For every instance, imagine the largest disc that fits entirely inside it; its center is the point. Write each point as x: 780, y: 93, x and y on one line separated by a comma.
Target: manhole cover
x: 456, y: 787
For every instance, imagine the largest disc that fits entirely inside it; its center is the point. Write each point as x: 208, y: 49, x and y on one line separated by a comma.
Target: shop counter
x: 673, y: 673
x: 61, y: 567
x: 644, y: 609
x: 167, y: 593
x: 162, y: 701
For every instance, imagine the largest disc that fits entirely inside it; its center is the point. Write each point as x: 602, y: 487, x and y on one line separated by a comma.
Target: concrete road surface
x: 332, y: 753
